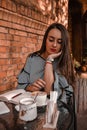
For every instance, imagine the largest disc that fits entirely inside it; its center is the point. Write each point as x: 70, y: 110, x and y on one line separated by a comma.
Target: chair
x: 72, y: 124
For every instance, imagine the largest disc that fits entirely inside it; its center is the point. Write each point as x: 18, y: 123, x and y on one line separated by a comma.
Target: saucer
x: 41, y: 105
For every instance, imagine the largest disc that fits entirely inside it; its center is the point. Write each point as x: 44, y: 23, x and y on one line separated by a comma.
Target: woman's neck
x: 44, y: 55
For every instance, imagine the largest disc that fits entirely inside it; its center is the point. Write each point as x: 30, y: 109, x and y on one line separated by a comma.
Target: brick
x: 22, y: 9
x: 5, y: 23
x: 4, y: 55
x: 15, y: 84
x: 4, y: 3
x: 3, y: 30
x: 4, y: 43
x: 20, y: 33
x: 24, y: 50
x: 40, y: 37
x: 1, y: 14
x: 26, y: 22
x: 4, y: 61
x: 16, y: 72
x: 2, y: 81
x: 5, y: 16
x: 26, y: 11
x: 38, y: 46
x: 23, y: 39
x: 32, y: 35
x: 9, y: 37
x: 29, y: 40
x: 9, y: 5
x: 18, y: 8
x: 2, y: 36
x: 19, y: 67
x: 9, y: 18
x: 18, y: 27
x: 23, y: 21
x: 13, y: 7
x: 3, y: 88
x: 8, y: 43
x: 12, y: 79
x: 40, y: 41
x: 34, y: 41
x: 17, y: 44
x: 31, y: 47
x: 29, y: 23
x: 15, y: 55
x: 13, y: 19
x: 33, y: 13
x: 4, y: 49
x: 12, y: 67
x: 18, y: 19
x: 24, y: 59
x: 31, y: 30
x: 10, y: 73
x: 10, y: 86
x: 29, y: 12
x: 17, y: 38
x: 11, y: 31
x: 3, y: 68
x: 3, y: 74
x: 15, y: 49
x: 16, y: 61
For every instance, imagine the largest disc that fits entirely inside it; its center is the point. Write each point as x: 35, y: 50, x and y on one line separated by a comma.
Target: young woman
x: 51, y: 67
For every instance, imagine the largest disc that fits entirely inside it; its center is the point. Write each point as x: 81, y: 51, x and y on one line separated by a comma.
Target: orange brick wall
x: 21, y: 32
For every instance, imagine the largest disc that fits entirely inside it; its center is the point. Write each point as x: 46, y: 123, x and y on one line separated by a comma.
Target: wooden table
x: 81, y: 92
x: 11, y: 121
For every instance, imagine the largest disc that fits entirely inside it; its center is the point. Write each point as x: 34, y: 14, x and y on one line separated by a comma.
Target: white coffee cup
x: 41, y: 98
x: 27, y: 109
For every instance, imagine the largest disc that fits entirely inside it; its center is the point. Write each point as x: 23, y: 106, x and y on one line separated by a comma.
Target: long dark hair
x: 64, y: 61
x: 64, y: 65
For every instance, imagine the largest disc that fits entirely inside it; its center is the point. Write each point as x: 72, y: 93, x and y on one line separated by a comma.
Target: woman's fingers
x: 39, y: 83
x: 59, y: 53
x: 42, y: 82
x: 34, y: 88
x: 55, y: 55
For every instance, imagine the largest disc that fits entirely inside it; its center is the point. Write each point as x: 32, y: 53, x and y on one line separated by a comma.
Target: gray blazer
x: 34, y: 69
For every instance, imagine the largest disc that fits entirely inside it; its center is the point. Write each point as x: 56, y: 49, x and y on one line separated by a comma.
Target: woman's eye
x: 59, y: 41
x: 51, y: 40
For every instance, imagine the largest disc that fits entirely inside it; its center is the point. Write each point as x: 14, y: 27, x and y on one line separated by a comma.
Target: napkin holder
x: 52, y: 113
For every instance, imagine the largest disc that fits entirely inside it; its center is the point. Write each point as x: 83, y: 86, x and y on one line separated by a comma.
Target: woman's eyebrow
x: 60, y: 39
x: 54, y: 37
x: 51, y: 37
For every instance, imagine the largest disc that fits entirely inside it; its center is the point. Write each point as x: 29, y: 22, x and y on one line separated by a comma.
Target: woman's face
x: 53, y: 42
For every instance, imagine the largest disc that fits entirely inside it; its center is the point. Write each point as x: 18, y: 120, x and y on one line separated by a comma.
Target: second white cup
x: 41, y: 98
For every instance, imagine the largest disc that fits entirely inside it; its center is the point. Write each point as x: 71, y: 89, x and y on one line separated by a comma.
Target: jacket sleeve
x: 24, y: 75
x: 64, y: 89
x: 67, y: 89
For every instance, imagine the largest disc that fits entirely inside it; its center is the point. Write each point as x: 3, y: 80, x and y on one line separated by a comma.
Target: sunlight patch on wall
x: 57, y: 10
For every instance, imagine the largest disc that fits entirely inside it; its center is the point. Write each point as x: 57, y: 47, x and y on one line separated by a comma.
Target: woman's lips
x: 53, y: 50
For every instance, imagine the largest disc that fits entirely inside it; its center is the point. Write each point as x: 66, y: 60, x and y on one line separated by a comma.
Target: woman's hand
x: 55, y: 55
x: 36, y: 86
